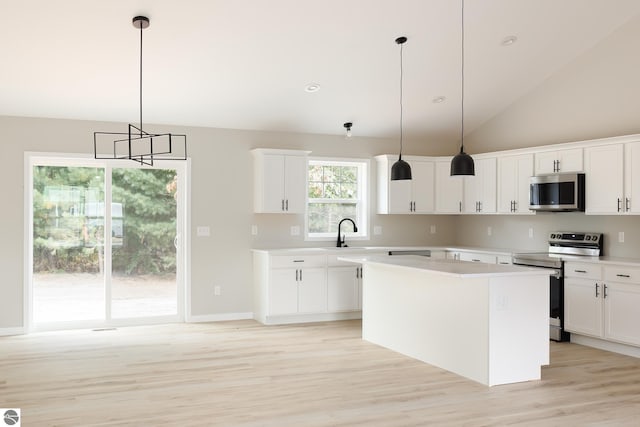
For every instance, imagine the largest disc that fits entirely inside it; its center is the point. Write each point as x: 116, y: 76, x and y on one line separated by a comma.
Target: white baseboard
x: 309, y: 318
x: 11, y: 331
x: 219, y: 317
x: 615, y: 347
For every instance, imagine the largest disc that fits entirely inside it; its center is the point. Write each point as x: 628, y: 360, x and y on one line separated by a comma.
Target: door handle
x: 282, y: 208
x: 287, y: 205
x: 604, y: 291
x: 619, y: 201
x: 626, y: 204
x: 623, y: 275
x: 297, y: 280
x: 597, y: 288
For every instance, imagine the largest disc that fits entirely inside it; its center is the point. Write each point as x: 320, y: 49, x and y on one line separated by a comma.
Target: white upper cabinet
x: 569, y: 160
x: 612, y: 179
x: 280, y: 181
x: 514, y: 173
x: 415, y: 196
x: 604, y: 179
x: 632, y: 177
x: 480, y: 190
x: 449, y: 190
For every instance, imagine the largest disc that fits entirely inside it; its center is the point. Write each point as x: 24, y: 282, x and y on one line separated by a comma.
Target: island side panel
x: 438, y: 319
x: 519, y: 328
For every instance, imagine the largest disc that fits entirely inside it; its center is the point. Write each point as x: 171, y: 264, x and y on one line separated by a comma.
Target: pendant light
x: 400, y: 170
x: 462, y: 163
x: 136, y: 144
x: 347, y: 127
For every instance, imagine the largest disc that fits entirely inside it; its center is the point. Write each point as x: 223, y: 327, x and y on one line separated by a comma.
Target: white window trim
x: 364, y: 188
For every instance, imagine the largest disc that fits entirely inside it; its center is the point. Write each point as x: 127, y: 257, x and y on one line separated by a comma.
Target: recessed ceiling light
x: 509, y: 40
x: 438, y: 99
x: 312, y: 87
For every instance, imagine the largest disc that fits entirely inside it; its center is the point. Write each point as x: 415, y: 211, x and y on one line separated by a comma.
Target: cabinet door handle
x: 619, y: 201
x: 580, y: 271
x: 459, y: 206
x: 626, y: 204
x: 597, y: 288
x: 479, y: 206
x: 604, y: 291
x: 623, y: 275
x: 475, y: 260
x: 282, y: 208
x: 515, y: 206
x: 287, y: 205
x: 297, y: 280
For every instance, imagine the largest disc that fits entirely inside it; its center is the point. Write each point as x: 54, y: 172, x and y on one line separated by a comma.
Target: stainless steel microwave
x: 558, y: 192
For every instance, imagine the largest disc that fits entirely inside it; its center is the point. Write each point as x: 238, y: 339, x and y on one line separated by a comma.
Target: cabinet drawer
x: 583, y: 270
x: 477, y: 257
x: 622, y: 274
x: 293, y: 261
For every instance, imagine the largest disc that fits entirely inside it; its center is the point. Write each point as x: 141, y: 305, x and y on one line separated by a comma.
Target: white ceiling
x: 244, y: 64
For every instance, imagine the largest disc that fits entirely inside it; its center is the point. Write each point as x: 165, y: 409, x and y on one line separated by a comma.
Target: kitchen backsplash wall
x: 512, y: 232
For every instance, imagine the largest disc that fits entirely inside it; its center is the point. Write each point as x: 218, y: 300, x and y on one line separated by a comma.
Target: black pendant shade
x: 462, y: 164
x: 400, y: 170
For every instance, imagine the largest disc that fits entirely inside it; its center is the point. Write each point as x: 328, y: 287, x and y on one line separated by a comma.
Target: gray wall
x: 221, y: 198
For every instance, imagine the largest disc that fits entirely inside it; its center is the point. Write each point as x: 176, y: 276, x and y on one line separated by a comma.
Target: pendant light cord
x: 462, y: 84
x: 141, y: 79
x: 401, y: 73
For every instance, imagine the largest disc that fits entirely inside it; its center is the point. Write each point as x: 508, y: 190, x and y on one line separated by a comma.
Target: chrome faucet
x: 340, y: 242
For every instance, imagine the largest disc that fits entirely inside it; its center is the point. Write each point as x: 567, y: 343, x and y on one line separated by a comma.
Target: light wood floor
x: 245, y: 374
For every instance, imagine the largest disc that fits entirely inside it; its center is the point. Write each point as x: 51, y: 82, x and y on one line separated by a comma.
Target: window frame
x: 362, y: 202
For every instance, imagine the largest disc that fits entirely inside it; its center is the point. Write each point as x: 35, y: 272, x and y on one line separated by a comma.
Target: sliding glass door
x: 105, y: 244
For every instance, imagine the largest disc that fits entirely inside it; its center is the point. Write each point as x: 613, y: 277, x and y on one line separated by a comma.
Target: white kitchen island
x: 486, y: 322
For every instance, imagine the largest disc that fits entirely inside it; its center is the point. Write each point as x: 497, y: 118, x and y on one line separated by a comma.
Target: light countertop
x: 447, y: 267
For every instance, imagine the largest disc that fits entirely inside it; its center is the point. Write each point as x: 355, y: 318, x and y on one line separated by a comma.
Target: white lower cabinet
x: 603, y: 301
x: 305, y: 288
x: 582, y: 307
x: 344, y: 288
x: 295, y: 291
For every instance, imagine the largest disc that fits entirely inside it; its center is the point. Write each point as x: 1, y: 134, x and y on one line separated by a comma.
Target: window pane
x: 316, y: 190
x: 348, y: 191
x: 349, y: 174
x: 324, y: 217
x: 315, y: 173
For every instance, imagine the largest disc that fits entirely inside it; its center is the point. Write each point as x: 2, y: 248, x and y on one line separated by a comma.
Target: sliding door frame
x: 183, y: 267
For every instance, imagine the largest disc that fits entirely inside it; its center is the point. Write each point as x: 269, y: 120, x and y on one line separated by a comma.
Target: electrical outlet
x: 377, y: 230
x: 489, y: 231
x: 203, y: 231
x: 432, y: 229
x: 295, y: 230
x: 531, y: 233
x: 254, y: 230
x: 217, y: 290
x: 621, y: 237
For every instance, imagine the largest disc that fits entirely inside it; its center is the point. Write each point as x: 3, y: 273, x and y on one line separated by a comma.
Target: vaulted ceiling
x: 244, y: 64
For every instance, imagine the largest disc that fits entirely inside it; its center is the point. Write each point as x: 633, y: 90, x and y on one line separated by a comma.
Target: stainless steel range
x: 563, y: 245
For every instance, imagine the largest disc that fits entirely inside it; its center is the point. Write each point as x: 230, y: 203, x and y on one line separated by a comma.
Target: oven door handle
x: 557, y: 274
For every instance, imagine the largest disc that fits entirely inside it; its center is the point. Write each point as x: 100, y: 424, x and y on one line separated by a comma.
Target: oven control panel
x: 573, y: 237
